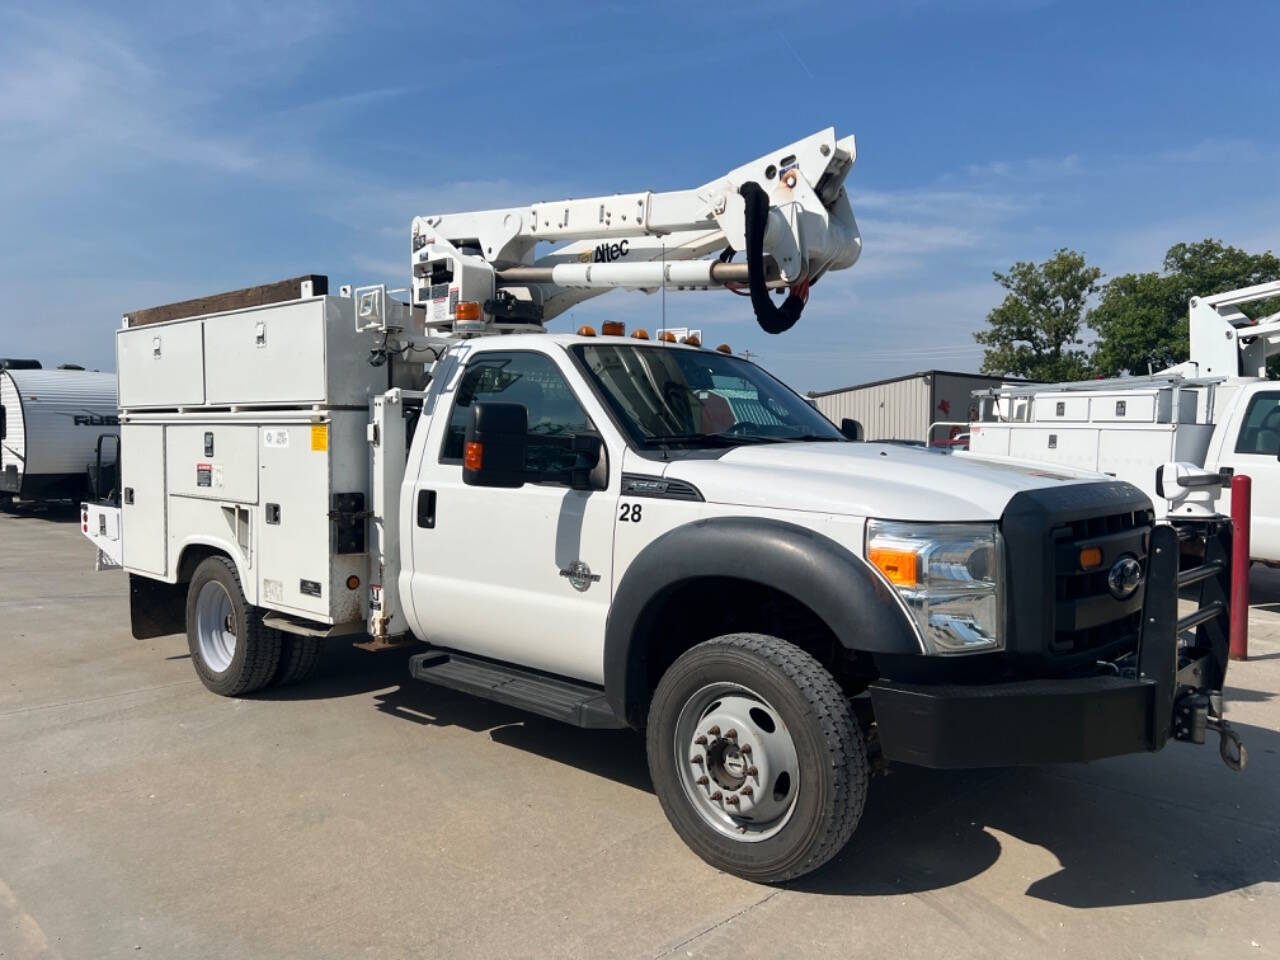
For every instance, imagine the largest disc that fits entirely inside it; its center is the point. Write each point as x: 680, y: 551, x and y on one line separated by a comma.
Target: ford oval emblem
x: 1124, y: 578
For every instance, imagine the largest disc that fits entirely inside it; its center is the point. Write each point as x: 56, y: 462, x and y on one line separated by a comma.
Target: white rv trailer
x: 50, y: 422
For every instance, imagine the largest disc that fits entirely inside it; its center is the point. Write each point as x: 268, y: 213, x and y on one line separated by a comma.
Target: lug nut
x: 716, y: 795
x: 748, y: 792
x: 700, y: 741
x: 714, y: 731
x: 702, y: 781
x: 752, y: 772
x: 746, y: 749
x: 696, y: 759
x: 732, y: 801
x: 731, y: 734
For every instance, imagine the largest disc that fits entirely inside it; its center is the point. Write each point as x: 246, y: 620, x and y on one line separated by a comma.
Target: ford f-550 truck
x: 622, y: 530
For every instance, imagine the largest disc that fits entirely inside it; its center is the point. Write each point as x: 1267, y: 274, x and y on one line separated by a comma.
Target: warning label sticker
x: 204, y: 474
x: 275, y: 437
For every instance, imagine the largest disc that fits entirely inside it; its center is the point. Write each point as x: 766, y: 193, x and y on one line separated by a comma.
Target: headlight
x: 948, y: 576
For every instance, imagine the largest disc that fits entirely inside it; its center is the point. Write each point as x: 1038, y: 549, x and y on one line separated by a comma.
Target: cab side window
x: 1260, y: 431
x: 526, y: 378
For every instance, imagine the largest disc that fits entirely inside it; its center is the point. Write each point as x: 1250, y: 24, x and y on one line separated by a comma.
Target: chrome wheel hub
x: 215, y: 626
x: 738, y: 763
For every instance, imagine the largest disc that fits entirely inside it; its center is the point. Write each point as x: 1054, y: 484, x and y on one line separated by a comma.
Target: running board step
x: 574, y: 703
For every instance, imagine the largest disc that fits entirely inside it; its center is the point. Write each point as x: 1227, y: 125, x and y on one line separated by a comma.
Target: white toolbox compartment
x: 299, y: 353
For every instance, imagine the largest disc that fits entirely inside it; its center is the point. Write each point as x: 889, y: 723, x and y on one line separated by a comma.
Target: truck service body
x: 619, y: 531
x: 1217, y: 412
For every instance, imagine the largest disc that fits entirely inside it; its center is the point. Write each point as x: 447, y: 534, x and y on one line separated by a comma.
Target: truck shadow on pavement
x: 1166, y: 827
x: 1147, y: 829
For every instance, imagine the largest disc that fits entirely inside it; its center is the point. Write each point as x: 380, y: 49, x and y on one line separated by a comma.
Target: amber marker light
x: 900, y: 567
x: 473, y: 458
x: 1090, y: 557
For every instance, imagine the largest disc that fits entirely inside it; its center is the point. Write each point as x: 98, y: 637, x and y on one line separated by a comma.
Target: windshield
x: 671, y: 397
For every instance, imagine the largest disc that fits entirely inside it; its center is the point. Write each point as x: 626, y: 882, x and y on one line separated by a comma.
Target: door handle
x: 427, y: 509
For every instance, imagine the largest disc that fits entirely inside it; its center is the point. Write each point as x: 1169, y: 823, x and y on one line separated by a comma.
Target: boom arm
x: 640, y: 241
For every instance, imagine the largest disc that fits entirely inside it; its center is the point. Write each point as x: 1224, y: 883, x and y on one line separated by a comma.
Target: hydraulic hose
x: 772, y: 319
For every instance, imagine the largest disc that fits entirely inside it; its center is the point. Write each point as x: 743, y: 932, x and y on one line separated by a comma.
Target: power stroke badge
x: 579, y: 576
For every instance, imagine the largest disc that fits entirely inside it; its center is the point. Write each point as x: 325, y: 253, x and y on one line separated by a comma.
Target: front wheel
x: 756, y: 757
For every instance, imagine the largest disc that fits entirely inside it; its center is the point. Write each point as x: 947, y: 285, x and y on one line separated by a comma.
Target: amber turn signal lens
x: 724, y: 348
x: 586, y: 331
x: 898, y: 566
x: 467, y: 310
x: 640, y: 334
x: 473, y: 458
x: 693, y: 340
x: 667, y: 337
x: 1090, y: 557
x: 613, y: 328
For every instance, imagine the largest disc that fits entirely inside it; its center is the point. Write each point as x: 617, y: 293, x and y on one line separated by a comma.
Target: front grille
x: 1086, y: 617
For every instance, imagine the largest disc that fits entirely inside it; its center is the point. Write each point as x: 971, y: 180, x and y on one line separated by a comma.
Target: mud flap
x: 156, y: 609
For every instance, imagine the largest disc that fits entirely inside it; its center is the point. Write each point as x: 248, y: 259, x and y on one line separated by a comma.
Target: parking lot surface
x: 366, y: 815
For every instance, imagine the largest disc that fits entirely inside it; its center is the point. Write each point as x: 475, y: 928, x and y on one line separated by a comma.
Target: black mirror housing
x: 588, y: 448
x: 493, y: 454
x: 851, y: 429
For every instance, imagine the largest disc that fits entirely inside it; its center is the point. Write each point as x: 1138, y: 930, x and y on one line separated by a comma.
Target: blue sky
x: 154, y: 153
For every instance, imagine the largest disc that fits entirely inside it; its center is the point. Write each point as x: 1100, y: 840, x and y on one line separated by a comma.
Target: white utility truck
x: 1215, y: 414
x: 618, y: 530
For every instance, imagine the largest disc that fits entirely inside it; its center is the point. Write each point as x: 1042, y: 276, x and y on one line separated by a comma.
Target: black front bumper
x: 1166, y: 688
x: 1011, y: 724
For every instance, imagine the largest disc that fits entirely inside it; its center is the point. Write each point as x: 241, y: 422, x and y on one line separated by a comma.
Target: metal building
x: 907, y: 407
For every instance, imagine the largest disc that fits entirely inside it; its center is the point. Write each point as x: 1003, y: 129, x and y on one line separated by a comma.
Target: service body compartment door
x: 161, y: 365
x: 144, y: 536
x: 274, y: 355
x: 293, y: 523
x: 1070, y: 446
x: 214, y: 461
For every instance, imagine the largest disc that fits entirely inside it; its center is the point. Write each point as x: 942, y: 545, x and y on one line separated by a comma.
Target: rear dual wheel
x: 756, y: 757
x: 234, y: 653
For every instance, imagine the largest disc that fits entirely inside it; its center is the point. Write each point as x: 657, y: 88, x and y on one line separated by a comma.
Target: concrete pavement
x: 365, y: 815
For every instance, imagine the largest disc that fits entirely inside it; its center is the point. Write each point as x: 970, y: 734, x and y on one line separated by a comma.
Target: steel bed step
x: 575, y: 703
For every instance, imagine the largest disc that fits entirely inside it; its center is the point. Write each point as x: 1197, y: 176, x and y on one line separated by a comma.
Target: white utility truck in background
x: 1204, y: 420
x: 618, y: 530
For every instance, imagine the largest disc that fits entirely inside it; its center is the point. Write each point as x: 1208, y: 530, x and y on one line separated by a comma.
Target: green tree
x: 1035, y: 331
x: 1141, y: 320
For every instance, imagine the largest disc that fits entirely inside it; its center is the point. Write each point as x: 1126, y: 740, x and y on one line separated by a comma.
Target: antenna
x: 663, y: 257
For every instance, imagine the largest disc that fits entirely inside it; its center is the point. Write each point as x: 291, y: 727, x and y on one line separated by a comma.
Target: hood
x: 881, y: 480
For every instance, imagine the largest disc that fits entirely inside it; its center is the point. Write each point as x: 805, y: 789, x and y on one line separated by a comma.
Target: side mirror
x: 493, y: 453
x: 851, y: 429
x: 588, y: 448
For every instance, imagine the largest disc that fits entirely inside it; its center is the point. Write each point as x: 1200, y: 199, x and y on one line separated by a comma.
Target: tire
x: 299, y: 658
x: 232, y: 651
x: 733, y: 807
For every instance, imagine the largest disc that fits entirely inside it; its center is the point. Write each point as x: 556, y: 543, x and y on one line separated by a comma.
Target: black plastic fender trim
x: 838, y: 586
